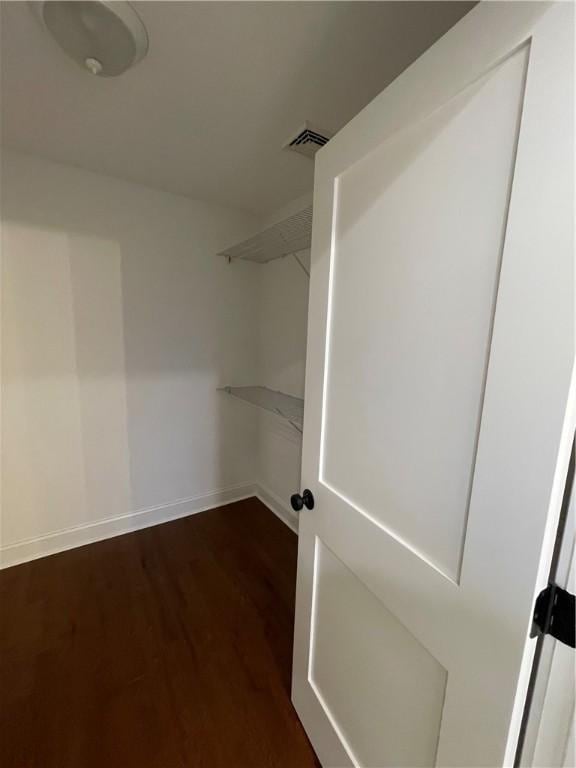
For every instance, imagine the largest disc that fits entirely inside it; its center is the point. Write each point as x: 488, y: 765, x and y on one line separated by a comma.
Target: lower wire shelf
x: 286, y: 406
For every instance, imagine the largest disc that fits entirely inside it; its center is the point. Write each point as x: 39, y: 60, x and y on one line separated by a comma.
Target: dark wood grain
x: 169, y: 647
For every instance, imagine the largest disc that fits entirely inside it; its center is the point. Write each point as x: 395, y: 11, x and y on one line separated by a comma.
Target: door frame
x: 542, y: 700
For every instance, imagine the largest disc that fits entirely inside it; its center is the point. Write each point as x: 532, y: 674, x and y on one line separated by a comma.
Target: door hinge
x: 554, y: 614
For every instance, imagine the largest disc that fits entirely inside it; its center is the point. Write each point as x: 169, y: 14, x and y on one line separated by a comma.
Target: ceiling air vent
x: 308, y: 140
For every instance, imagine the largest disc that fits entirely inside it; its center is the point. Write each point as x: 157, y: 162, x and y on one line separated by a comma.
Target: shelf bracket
x: 301, y: 265
x: 289, y: 420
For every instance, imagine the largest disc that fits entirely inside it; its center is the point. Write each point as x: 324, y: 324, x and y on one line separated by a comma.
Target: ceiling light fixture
x: 105, y: 38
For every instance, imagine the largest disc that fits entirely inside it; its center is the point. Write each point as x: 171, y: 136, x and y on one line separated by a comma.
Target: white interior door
x: 437, y: 435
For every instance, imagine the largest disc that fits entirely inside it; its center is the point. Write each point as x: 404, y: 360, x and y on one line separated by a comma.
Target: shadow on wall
x: 118, y: 325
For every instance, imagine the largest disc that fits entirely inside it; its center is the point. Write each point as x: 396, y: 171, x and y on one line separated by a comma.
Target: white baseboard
x: 87, y: 533
x: 78, y: 536
x: 276, y: 505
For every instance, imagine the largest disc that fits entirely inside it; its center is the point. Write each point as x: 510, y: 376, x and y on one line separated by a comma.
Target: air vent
x: 308, y: 140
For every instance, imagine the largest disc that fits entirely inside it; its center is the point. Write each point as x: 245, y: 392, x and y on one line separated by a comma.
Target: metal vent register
x: 308, y: 140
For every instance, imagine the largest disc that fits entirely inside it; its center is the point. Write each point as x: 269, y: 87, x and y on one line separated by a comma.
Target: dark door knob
x: 306, y: 500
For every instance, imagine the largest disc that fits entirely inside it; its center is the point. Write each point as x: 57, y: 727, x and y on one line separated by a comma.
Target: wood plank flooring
x: 169, y: 647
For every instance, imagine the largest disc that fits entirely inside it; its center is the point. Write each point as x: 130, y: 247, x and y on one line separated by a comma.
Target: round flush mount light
x: 105, y: 38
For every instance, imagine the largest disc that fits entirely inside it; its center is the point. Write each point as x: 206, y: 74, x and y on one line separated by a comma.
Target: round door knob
x: 306, y: 500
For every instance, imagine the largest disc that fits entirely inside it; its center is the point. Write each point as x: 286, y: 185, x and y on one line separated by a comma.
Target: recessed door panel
x: 418, y: 235
x: 379, y: 686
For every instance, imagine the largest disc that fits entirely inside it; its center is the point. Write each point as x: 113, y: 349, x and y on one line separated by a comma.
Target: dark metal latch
x: 554, y: 614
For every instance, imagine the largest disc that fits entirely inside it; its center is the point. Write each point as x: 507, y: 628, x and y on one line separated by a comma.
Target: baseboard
x: 78, y: 536
x: 276, y: 505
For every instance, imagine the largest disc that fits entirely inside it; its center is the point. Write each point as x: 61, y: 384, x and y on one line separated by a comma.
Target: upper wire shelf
x: 286, y: 406
x: 285, y: 238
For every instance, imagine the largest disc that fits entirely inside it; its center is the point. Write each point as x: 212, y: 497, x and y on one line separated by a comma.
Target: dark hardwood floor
x: 164, y: 648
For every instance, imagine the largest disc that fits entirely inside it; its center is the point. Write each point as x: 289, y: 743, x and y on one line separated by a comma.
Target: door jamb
x: 558, y: 544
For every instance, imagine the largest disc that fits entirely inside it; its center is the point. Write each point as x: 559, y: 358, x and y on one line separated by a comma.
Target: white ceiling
x: 224, y: 84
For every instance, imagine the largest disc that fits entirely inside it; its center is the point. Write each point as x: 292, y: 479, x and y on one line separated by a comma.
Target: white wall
x: 282, y: 327
x: 118, y: 324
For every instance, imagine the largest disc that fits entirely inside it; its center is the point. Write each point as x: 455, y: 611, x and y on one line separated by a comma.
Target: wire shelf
x: 285, y: 238
x: 286, y: 406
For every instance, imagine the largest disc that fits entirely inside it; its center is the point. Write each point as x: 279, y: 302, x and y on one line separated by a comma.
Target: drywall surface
x: 223, y: 87
x: 118, y: 325
x: 282, y: 328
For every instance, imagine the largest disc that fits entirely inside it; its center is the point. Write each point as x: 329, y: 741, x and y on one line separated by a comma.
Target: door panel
x: 387, y: 680
x: 419, y: 226
x: 440, y: 356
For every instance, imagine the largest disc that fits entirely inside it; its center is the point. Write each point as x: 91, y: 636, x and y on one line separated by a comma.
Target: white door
x: 437, y: 436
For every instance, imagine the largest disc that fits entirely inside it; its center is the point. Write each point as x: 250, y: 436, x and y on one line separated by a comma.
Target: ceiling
x: 224, y: 84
